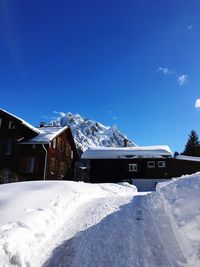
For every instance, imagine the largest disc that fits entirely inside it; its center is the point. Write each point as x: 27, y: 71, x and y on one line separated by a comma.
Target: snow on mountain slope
x: 89, y: 133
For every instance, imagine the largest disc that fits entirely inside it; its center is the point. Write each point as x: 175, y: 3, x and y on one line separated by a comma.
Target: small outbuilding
x: 111, y: 164
x: 146, y: 164
x: 181, y: 165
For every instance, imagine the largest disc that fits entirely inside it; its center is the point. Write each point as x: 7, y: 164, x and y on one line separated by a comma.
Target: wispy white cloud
x: 45, y: 117
x: 166, y: 71
x: 197, y: 103
x: 60, y: 113
x: 114, y: 117
x: 182, y: 79
x: 190, y: 27
x: 54, y: 118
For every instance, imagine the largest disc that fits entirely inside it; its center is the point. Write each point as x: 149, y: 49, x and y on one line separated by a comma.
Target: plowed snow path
x: 117, y: 231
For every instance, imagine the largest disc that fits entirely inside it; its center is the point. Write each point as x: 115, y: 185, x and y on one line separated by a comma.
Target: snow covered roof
x: 183, y: 157
x: 126, y: 152
x: 46, y: 134
x: 21, y: 120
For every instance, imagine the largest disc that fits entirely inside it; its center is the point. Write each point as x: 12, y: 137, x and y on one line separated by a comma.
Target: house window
x: 60, y: 144
x: 8, y: 146
x: 11, y: 125
x: 52, y: 165
x: 54, y: 143
x: 62, y: 169
x: 1, y: 147
x: 161, y: 164
x: 132, y: 167
x: 72, y: 154
x: 0, y: 122
x: 151, y: 164
x: 68, y: 150
x: 27, y: 164
x: 30, y: 165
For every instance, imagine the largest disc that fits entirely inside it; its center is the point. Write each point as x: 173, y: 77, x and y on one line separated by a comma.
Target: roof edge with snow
x: 45, y: 136
x: 28, y: 125
x: 190, y: 158
x: 126, y: 152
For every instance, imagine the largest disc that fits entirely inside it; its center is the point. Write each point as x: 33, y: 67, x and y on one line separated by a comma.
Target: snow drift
x: 181, y: 199
x: 31, y: 214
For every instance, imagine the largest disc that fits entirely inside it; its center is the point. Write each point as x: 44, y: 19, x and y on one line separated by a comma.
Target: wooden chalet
x: 125, y: 163
x: 136, y: 163
x: 35, y: 153
x: 12, y: 130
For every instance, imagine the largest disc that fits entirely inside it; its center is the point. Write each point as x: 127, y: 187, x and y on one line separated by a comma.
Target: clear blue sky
x: 132, y: 63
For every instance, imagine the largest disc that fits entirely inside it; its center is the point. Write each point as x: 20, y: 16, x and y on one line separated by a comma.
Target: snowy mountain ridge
x: 89, y: 133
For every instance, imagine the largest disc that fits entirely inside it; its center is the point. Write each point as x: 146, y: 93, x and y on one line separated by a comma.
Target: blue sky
x: 135, y: 64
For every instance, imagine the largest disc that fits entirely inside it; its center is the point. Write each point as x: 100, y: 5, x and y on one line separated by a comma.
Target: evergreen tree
x: 192, y: 148
x: 176, y: 154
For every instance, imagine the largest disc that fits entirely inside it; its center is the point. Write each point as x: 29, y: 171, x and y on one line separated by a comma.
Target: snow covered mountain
x: 89, y: 133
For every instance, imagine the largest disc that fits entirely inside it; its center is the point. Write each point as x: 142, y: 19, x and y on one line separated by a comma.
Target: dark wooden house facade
x: 182, y: 165
x: 35, y: 153
x: 129, y: 164
x: 49, y: 155
x: 12, y: 130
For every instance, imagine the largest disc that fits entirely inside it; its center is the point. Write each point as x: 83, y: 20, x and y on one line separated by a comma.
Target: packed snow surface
x: 88, y: 133
x: 32, y: 214
x: 63, y: 223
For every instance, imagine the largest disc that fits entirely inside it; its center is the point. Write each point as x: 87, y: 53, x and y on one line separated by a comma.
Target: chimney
x: 125, y: 142
x: 42, y: 124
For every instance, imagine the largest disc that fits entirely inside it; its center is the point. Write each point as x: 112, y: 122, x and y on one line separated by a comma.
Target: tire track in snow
x: 115, y: 232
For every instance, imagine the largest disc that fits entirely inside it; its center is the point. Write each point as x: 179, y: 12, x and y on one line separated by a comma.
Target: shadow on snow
x: 126, y: 238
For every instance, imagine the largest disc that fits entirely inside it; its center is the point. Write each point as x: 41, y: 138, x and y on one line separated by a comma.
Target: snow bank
x: 32, y: 212
x: 181, y: 199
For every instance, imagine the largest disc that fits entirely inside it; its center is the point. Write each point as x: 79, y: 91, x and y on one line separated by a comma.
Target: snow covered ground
x: 32, y: 214
x: 181, y: 198
x: 63, y: 223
